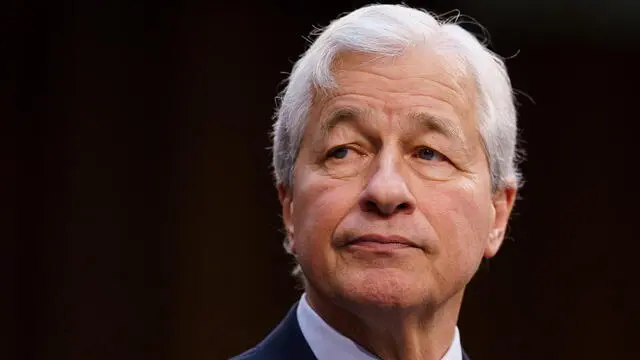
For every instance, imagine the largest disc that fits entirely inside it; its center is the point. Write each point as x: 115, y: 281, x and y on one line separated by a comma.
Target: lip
x: 376, y: 242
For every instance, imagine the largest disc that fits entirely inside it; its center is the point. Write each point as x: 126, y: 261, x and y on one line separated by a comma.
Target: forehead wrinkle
x: 453, y: 87
x: 448, y: 69
x: 452, y: 94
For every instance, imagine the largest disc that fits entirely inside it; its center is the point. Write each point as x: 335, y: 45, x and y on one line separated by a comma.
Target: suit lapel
x: 285, y: 342
x: 465, y: 356
x: 289, y: 342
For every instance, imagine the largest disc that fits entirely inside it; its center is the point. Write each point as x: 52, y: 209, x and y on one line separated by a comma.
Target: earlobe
x: 286, y: 203
x: 289, y: 224
x: 503, y: 201
x: 493, y: 244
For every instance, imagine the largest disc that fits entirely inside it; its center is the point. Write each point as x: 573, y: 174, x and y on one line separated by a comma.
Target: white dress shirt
x: 328, y: 344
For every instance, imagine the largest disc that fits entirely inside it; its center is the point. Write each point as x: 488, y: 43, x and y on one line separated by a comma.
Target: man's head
x: 395, y: 158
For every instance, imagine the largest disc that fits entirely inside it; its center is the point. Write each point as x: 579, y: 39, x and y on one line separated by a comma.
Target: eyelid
x: 347, y: 145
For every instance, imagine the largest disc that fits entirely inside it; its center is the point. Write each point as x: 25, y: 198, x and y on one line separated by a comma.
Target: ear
x: 286, y: 201
x: 503, y: 200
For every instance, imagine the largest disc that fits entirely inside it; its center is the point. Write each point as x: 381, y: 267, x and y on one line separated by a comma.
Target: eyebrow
x: 421, y: 121
x: 439, y: 125
x: 342, y: 115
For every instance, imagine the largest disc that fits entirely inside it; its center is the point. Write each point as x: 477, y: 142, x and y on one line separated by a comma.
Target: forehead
x: 418, y: 81
x: 413, y: 63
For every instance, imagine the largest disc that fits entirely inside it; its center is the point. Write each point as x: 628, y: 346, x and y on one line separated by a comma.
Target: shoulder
x: 285, y: 342
x: 263, y: 351
x: 252, y: 354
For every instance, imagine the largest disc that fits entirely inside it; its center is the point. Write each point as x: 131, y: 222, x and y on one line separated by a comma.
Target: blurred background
x: 139, y: 219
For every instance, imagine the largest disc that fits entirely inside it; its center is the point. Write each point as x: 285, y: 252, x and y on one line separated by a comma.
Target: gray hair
x: 388, y: 30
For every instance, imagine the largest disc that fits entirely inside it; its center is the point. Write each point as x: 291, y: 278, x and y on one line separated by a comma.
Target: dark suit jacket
x: 285, y: 342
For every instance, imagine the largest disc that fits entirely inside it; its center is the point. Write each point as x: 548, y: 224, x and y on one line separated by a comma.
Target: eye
x: 429, y: 154
x: 339, y: 152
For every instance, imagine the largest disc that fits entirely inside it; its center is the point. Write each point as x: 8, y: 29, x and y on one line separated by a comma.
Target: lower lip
x: 378, y: 247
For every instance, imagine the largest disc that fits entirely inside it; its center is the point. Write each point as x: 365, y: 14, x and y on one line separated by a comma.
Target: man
x: 395, y: 161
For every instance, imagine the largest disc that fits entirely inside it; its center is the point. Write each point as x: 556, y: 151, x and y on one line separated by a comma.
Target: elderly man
x: 395, y: 161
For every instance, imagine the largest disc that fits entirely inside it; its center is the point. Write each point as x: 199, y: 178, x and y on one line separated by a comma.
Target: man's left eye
x: 339, y: 152
x: 429, y: 154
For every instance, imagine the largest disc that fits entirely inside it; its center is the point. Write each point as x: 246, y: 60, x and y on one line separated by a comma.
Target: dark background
x: 140, y: 220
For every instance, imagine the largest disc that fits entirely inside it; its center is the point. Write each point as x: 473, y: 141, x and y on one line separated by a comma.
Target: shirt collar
x: 319, y: 334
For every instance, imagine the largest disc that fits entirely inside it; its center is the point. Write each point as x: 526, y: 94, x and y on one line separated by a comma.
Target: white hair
x: 388, y: 30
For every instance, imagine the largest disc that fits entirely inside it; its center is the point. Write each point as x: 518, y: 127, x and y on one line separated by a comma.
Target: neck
x: 424, y: 332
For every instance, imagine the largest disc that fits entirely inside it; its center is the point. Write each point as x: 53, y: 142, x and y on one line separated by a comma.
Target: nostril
x: 403, y: 206
x: 371, y: 206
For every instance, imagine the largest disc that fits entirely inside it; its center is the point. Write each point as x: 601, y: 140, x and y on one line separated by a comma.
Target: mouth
x: 380, y: 243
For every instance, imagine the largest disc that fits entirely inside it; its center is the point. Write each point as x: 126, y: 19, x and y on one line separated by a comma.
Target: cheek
x: 461, y: 216
x: 321, y: 206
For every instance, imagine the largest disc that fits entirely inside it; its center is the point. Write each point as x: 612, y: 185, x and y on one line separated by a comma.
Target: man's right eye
x: 339, y: 152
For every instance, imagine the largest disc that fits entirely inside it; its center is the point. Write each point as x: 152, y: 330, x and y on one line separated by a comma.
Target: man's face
x: 391, y: 203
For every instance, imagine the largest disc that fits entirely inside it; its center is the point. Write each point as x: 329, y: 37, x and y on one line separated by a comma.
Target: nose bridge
x: 389, y: 167
x: 387, y: 190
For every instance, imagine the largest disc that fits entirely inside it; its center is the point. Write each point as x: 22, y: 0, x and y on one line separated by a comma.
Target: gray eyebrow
x: 342, y: 115
x: 421, y: 121
x: 439, y: 125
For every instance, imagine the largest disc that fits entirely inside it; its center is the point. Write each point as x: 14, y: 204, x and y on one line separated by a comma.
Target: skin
x: 392, y: 211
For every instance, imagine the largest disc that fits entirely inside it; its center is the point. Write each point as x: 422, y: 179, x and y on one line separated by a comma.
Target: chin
x: 384, y: 289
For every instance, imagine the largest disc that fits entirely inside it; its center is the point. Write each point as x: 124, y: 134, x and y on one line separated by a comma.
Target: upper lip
x: 383, y: 239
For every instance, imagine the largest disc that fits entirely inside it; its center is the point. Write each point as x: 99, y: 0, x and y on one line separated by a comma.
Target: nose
x: 387, y: 192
